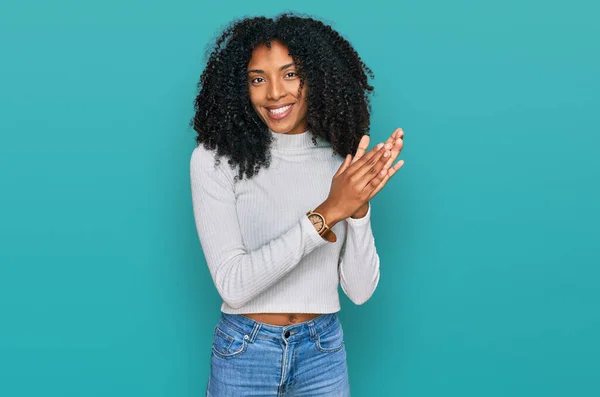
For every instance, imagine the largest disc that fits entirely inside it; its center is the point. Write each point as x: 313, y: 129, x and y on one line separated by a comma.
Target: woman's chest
x: 272, y: 202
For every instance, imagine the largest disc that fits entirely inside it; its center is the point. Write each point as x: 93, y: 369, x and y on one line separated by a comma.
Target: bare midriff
x: 281, y: 319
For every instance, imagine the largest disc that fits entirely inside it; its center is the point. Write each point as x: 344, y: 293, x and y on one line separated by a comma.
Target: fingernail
x: 388, y: 146
x: 379, y: 146
x: 386, y: 154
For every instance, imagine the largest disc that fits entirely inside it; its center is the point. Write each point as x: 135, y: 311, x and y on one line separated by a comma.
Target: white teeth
x: 280, y: 110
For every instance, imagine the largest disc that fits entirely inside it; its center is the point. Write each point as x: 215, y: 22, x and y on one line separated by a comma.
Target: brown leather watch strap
x: 326, y: 232
x: 330, y: 236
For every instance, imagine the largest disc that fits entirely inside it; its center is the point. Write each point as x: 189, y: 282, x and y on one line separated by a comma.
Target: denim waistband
x: 252, y: 328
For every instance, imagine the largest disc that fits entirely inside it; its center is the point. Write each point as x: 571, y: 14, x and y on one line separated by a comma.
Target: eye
x: 291, y: 73
x: 254, y: 81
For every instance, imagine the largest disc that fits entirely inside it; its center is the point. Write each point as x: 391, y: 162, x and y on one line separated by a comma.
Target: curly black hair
x: 338, y: 107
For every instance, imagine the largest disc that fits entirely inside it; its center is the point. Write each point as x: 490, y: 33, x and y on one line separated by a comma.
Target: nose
x: 276, y: 90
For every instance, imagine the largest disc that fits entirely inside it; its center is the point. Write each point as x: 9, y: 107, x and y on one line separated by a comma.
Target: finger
x: 356, y: 166
x: 395, y: 143
x: 397, y: 134
x: 392, y: 139
x: 395, y: 151
x: 371, y: 169
x: 364, y: 143
x: 386, y: 178
x: 344, y: 165
x: 362, y: 148
x: 373, y: 186
x: 383, y: 183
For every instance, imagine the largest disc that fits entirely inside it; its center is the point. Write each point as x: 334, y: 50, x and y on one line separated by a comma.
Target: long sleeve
x: 359, y: 262
x: 238, y: 274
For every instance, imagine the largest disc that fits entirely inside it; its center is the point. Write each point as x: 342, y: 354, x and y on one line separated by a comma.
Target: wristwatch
x: 320, y: 224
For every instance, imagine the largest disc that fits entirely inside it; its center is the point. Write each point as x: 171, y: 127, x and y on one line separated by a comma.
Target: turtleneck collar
x: 297, y: 141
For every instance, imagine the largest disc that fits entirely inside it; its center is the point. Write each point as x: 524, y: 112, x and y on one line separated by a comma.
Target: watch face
x: 317, y: 220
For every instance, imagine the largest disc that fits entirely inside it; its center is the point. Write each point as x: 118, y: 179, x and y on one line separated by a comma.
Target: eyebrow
x: 262, y: 71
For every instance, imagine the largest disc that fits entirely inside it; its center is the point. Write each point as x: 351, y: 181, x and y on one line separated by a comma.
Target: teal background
x: 488, y: 236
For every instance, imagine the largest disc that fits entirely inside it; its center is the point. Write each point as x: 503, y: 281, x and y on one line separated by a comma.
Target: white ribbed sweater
x: 263, y: 253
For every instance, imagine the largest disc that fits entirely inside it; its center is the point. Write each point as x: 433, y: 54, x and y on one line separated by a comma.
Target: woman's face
x: 274, y: 86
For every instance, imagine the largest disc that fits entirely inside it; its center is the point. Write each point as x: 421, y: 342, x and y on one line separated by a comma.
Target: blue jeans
x: 251, y: 358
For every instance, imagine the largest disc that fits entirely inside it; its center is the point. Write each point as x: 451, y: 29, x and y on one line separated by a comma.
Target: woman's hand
x: 396, y: 139
x: 360, y: 178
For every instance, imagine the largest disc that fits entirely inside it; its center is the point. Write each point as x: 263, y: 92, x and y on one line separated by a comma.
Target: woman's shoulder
x: 201, y: 155
x: 202, y: 159
x: 205, y: 161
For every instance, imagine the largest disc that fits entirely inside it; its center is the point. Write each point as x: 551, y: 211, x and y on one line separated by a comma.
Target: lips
x: 278, y: 113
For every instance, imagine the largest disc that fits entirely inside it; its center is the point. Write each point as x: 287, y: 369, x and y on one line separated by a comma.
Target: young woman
x: 285, y: 219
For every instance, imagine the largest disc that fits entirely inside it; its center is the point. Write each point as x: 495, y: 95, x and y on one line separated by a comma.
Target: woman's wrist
x: 332, y: 217
x: 362, y: 211
x: 329, y: 213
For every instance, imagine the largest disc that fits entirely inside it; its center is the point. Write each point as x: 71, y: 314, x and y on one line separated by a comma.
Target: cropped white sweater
x: 263, y: 253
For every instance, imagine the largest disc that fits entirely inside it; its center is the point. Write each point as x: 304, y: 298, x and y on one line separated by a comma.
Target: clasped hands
x: 361, y: 177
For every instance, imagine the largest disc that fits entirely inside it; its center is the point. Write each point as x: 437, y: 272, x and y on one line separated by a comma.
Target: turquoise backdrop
x: 488, y: 237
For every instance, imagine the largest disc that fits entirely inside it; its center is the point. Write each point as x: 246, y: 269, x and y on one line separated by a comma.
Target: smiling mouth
x: 279, y: 113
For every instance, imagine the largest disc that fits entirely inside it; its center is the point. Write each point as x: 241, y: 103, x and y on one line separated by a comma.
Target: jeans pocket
x: 227, y: 342
x: 330, y: 339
